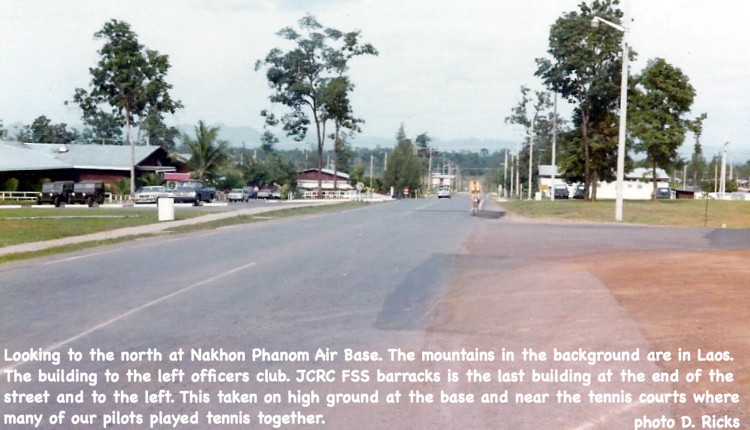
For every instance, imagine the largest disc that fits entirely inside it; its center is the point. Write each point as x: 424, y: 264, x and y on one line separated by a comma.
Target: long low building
x: 637, y: 184
x: 33, y: 163
x: 308, y: 179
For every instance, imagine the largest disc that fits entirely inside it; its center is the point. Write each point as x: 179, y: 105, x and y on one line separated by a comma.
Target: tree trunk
x: 132, y: 152
x: 320, y: 152
x: 335, y: 158
x: 654, y: 181
x: 586, y: 155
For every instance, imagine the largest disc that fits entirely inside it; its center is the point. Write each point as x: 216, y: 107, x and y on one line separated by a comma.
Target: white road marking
x: 126, y: 314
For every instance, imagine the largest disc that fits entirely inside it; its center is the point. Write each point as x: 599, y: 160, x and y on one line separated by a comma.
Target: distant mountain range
x: 250, y: 138
x: 238, y: 136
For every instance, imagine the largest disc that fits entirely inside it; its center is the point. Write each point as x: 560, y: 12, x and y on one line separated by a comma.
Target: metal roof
x: 16, y: 156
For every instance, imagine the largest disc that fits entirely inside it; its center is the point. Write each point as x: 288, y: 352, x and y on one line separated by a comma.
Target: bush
x: 284, y: 191
x: 11, y: 185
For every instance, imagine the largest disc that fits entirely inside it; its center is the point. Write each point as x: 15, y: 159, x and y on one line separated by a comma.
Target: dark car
x: 89, y: 193
x: 57, y: 193
x: 663, y: 193
x: 561, y: 192
x: 579, y: 192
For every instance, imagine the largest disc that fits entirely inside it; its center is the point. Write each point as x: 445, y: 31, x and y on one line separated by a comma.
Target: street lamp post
x: 623, y: 104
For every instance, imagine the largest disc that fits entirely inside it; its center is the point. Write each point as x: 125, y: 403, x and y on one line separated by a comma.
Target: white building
x: 636, y: 186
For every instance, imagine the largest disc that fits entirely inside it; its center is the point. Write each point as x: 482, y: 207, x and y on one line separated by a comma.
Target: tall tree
x: 127, y: 83
x: 662, y: 97
x: 529, y: 113
x: 697, y: 161
x: 404, y: 169
x: 300, y: 77
x: 42, y: 130
x: 207, y: 153
x: 585, y: 69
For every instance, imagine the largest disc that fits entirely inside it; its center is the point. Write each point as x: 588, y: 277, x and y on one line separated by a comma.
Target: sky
x: 450, y: 68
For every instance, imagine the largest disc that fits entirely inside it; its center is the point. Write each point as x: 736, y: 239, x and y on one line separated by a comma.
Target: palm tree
x: 207, y: 154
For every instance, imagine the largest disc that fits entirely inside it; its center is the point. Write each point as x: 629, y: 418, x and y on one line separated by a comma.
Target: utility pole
x: 554, y: 149
x: 371, y: 167
x: 723, y: 176
x: 505, y: 175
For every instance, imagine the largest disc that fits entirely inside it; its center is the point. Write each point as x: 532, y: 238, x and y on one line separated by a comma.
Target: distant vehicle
x: 269, y: 193
x: 239, y: 195
x: 663, y: 193
x: 264, y: 193
x: 191, y: 191
x: 150, y: 194
x: 561, y: 192
x: 444, y: 192
x: 89, y: 193
x: 57, y: 193
x: 579, y: 192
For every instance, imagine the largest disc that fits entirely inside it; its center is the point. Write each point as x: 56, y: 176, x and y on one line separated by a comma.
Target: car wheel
x: 197, y: 201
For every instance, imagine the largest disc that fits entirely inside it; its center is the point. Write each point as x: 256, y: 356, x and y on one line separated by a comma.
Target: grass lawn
x: 35, y: 224
x: 684, y: 213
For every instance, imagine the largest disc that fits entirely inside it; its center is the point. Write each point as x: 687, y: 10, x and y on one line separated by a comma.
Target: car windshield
x: 51, y: 186
x: 236, y: 190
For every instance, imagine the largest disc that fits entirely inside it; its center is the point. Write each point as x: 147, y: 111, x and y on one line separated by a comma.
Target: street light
x: 623, y: 105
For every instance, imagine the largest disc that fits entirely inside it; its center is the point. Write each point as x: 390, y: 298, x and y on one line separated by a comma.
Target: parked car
x: 239, y: 195
x: 663, y: 193
x: 57, y: 193
x: 561, y: 192
x: 269, y: 193
x: 89, y: 193
x: 444, y: 192
x: 150, y: 194
x: 579, y: 192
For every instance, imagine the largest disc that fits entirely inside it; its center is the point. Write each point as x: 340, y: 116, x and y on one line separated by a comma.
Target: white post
x: 623, y: 114
x: 723, y: 175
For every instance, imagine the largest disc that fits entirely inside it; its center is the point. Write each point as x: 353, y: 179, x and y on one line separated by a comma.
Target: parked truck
x: 191, y: 191
x: 58, y: 193
x: 90, y: 193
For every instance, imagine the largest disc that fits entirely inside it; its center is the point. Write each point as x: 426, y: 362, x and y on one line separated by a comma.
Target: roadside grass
x: 33, y: 224
x: 131, y: 218
x: 678, y: 213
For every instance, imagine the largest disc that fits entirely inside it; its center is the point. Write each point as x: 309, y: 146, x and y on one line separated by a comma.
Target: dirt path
x: 652, y: 301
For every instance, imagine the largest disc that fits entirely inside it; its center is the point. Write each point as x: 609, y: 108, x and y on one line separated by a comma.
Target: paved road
x: 392, y: 279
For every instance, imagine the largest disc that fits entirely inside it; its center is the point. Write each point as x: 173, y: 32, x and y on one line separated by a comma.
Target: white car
x: 150, y: 194
x: 444, y: 192
x: 238, y: 195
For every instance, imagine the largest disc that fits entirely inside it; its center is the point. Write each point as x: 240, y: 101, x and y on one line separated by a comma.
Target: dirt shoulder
x: 651, y: 300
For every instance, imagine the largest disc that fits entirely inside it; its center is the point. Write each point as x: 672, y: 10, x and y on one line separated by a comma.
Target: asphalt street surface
x: 347, y: 302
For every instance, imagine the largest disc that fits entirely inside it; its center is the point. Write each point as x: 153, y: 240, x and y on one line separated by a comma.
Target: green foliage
x: 43, y: 131
x: 121, y: 186
x: 310, y: 80
x: 663, y: 95
x: 585, y: 70
x: 148, y: 179
x: 11, y: 185
x: 404, y: 168
x: 231, y: 177
x: 207, y: 153
x: 530, y: 114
